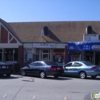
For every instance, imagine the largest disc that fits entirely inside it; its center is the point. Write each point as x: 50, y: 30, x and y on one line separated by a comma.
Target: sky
x: 49, y: 10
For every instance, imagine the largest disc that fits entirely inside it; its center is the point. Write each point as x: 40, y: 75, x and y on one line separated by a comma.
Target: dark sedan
x: 81, y: 69
x: 42, y: 69
x: 5, y: 69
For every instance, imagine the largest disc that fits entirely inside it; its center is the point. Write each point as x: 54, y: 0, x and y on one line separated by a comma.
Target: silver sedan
x: 81, y: 69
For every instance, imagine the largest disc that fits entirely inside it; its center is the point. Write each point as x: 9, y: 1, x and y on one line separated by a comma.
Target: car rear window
x: 87, y: 63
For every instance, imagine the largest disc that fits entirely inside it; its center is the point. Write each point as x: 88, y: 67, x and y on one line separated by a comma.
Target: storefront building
x: 88, y: 49
x: 13, y: 50
x: 24, y: 42
x: 10, y: 47
x: 53, y: 52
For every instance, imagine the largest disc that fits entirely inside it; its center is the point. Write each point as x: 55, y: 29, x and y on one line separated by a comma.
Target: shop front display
x: 58, y: 56
x: 9, y: 55
x: 88, y: 51
x: 45, y: 52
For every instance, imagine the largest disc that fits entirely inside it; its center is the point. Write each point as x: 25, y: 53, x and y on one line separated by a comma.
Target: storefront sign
x: 44, y: 45
x: 72, y: 46
x: 96, y: 47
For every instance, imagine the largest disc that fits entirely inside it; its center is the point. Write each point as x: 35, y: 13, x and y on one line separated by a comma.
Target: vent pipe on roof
x: 89, y: 30
x: 44, y: 31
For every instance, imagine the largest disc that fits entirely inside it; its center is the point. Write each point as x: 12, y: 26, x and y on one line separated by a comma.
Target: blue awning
x: 84, y: 46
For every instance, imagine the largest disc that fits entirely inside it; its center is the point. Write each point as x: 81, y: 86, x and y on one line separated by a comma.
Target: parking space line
x: 4, y: 95
x: 65, y: 98
x: 34, y: 97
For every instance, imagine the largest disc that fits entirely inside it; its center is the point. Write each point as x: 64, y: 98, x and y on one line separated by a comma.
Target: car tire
x: 42, y: 74
x: 82, y: 75
x: 23, y: 73
x: 93, y: 76
x: 55, y: 76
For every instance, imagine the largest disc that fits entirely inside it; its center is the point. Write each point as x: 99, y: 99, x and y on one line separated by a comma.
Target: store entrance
x: 45, y: 57
x: 46, y: 54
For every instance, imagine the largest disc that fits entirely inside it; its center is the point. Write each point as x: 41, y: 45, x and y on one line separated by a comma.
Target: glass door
x: 45, y: 57
x: 45, y: 54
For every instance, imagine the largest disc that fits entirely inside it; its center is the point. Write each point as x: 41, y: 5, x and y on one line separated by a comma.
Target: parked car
x: 42, y: 69
x: 6, y: 69
x: 81, y: 69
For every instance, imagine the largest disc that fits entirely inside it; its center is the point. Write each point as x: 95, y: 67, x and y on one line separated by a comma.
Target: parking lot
x: 18, y: 87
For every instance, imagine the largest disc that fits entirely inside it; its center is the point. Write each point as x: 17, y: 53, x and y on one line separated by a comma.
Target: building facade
x: 88, y: 49
x: 24, y: 42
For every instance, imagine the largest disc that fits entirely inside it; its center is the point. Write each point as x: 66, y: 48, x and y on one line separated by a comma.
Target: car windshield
x: 87, y: 63
x: 51, y: 63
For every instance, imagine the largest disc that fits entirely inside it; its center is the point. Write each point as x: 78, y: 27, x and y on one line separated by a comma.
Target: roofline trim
x: 9, y: 31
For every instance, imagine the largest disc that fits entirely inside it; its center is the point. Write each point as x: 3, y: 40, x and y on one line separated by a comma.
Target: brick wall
x: 4, y: 35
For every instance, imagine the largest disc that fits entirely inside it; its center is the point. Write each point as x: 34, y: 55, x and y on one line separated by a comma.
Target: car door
x: 32, y: 68
x: 38, y: 67
x: 67, y: 69
x: 75, y: 68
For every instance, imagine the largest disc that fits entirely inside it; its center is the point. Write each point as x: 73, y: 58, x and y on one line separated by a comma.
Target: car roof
x: 75, y: 61
x: 37, y: 61
x: 82, y: 61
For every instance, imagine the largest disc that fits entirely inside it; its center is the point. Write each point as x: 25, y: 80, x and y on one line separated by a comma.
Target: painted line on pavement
x: 4, y: 95
x: 34, y: 97
x: 65, y: 98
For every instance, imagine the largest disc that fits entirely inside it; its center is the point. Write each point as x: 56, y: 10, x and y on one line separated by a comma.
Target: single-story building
x: 30, y: 41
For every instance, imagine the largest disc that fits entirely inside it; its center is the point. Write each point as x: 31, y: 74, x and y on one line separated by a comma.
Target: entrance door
x: 46, y: 55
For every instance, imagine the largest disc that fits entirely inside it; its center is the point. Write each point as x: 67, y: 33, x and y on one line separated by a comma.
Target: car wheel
x: 93, y: 76
x: 42, y: 75
x: 82, y: 75
x: 55, y: 76
x: 23, y: 73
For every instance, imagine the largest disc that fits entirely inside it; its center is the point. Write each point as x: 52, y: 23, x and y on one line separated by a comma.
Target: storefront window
x: 30, y: 55
x: 11, y: 54
x: 88, y: 56
x: 75, y: 56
